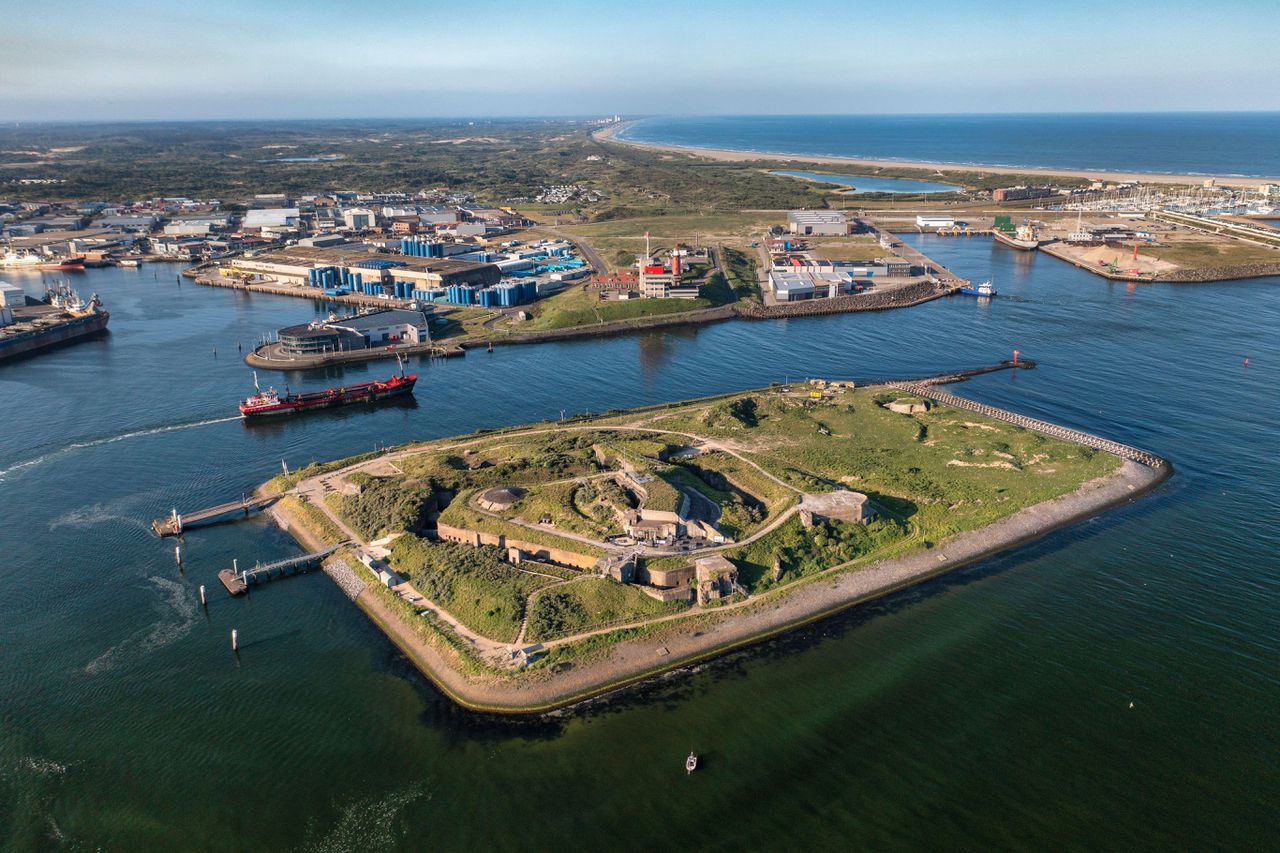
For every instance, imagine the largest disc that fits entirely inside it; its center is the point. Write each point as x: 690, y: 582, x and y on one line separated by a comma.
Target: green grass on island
x: 737, y: 467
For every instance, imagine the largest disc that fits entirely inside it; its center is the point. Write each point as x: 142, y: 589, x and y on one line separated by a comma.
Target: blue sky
x: 143, y: 59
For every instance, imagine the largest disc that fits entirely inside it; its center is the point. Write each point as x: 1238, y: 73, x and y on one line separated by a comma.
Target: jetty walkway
x: 237, y: 582
x: 176, y: 522
x: 1106, y: 445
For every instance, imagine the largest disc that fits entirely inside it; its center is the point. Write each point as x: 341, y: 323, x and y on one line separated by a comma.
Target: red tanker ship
x: 270, y: 402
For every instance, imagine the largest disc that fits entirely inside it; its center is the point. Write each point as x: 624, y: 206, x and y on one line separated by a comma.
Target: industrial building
x: 935, y: 220
x: 659, y: 281
x: 1022, y: 193
x: 797, y: 286
x: 271, y: 217
x: 359, y: 218
x: 11, y: 296
x: 825, y: 223
x: 365, y: 272
x: 361, y: 331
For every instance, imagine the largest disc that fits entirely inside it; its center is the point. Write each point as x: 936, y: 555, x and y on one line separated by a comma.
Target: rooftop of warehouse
x: 383, y: 317
x: 351, y: 256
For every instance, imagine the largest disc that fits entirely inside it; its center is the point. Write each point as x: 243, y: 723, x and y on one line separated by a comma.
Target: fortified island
x: 529, y: 568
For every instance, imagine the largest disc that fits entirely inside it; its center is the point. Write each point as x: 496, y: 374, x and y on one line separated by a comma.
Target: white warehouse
x: 822, y: 223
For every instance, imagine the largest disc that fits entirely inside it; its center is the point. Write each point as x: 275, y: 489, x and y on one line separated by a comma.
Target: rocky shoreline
x: 1228, y: 273
x: 912, y: 294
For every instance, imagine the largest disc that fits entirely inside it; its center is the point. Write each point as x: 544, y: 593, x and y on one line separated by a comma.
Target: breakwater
x: 1115, y: 448
x: 1227, y: 273
x: 613, y: 327
x: 905, y: 297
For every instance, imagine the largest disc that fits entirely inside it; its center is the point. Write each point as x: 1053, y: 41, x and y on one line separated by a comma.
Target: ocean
x: 1159, y: 143
x: 986, y: 709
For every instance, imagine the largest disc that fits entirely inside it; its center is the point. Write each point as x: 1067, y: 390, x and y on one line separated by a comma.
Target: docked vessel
x: 26, y: 325
x: 32, y: 261
x: 984, y: 289
x: 270, y: 403
x: 1024, y: 238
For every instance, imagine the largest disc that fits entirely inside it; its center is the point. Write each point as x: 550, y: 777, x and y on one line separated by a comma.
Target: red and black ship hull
x: 346, y: 395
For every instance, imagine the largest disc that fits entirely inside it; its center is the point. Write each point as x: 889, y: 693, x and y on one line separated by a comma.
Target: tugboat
x: 690, y: 763
x: 270, y: 402
x: 985, y: 290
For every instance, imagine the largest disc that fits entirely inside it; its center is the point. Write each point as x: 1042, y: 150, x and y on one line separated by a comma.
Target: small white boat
x: 691, y: 763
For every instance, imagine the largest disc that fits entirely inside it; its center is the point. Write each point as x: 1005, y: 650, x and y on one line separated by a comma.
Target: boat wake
x: 18, y: 467
x: 372, y: 823
x: 178, y: 616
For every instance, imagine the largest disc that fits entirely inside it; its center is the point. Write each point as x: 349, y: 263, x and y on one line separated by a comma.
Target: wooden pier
x: 238, y: 582
x: 176, y: 522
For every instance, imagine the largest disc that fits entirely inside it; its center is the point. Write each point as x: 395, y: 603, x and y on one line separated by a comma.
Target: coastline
x: 725, y: 155
x: 695, y: 637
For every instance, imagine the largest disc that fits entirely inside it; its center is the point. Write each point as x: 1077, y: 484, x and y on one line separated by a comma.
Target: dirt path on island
x: 699, y: 636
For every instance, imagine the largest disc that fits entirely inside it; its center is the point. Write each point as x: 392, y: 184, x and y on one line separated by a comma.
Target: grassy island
x: 530, y: 567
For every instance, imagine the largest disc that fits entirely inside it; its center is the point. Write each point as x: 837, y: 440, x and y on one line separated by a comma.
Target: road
x: 597, y: 263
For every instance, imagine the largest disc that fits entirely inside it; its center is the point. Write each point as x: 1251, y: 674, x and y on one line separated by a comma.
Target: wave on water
x: 111, y: 439
x: 92, y: 515
x: 367, y: 823
x: 178, y: 603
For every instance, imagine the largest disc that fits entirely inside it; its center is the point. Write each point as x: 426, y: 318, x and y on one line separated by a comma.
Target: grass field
x: 1211, y: 252
x: 563, y: 505
x: 590, y: 603
x: 577, y: 306
x: 928, y: 474
x: 619, y: 237
x: 854, y: 248
x: 476, y: 585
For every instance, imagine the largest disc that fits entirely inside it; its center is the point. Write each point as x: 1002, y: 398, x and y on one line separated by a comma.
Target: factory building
x: 359, y: 218
x: 271, y: 217
x: 299, y: 264
x: 11, y: 296
x: 825, y: 223
x: 1022, y: 193
x: 658, y: 281
x: 798, y: 286
x: 343, y: 334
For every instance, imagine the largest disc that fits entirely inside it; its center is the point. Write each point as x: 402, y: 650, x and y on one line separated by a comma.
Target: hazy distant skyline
x: 141, y: 59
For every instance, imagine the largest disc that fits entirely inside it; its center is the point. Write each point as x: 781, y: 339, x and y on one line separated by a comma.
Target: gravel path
x: 719, y: 631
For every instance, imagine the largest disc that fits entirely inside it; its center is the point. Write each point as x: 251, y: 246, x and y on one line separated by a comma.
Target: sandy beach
x: 938, y: 170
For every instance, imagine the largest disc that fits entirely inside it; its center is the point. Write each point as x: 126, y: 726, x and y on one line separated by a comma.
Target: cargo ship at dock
x: 1024, y: 238
x: 271, y: 403
x: 63, y: 316
x: 32, y: 261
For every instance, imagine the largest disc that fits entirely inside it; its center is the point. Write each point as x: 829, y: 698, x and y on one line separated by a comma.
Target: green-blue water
x: 1211, y: 143
x: 860, y: 184
x: 987, y: 709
